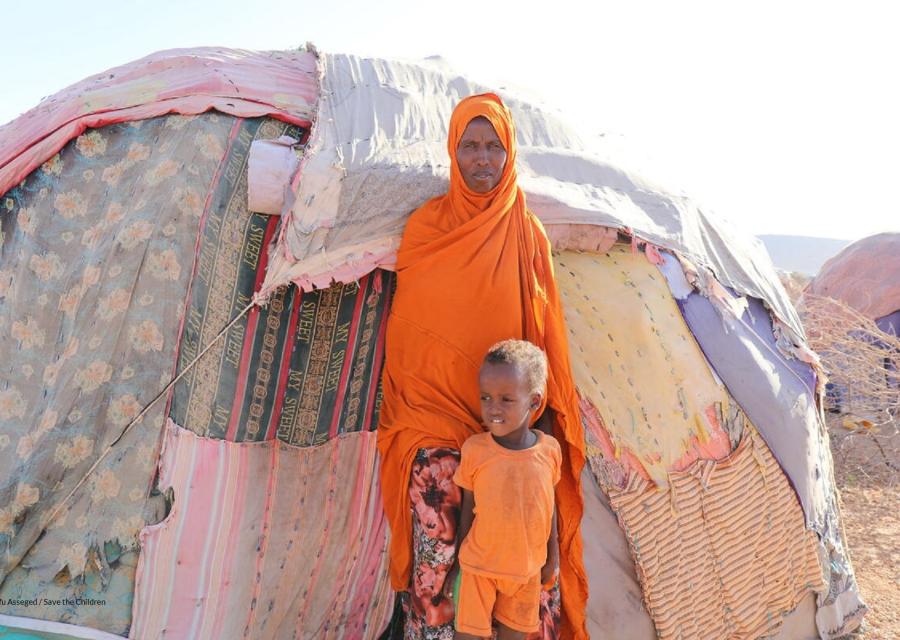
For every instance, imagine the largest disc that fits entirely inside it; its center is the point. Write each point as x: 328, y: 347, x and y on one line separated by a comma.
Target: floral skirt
x: 435, y: 510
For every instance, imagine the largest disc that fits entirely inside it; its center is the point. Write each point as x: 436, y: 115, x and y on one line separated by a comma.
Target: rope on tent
x: 254, y: 302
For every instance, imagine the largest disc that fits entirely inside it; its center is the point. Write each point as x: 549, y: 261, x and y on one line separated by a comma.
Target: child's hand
x: 450, y: 581
x: 548, y: 572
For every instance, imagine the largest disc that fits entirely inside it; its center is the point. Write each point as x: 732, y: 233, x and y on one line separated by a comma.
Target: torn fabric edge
x: 719, y: 334
x: 684, y: 278
x: 184, y: 81
x: 637, y: 490
x: 793, y: 385
x: 385, y: 121
x: 176, y: 591
x: 323, y: 269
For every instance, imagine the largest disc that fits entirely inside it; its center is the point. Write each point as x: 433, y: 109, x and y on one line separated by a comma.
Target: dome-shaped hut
x: 852, y: 311
x: 194, y: 280
x: 866, y: 276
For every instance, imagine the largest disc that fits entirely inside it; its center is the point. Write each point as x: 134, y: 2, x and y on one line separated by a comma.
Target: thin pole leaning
x: 143, y: 412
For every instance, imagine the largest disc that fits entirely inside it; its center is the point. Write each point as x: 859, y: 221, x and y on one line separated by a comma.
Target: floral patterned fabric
x: 123, y: 255
x: 97, y: 253
x: 436, y: 502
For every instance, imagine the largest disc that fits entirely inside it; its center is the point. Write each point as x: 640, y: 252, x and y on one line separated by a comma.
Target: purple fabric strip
x: 757, y: 317
x: 890, y: 323
x: 777, y: 395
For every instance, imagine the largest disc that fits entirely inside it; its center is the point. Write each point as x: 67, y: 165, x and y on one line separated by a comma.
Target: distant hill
x: 802, y: 254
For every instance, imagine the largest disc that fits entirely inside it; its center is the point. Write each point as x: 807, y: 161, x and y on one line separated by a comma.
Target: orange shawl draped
x: 474, y: 269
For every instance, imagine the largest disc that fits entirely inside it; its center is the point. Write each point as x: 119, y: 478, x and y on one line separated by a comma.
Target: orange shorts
x: 513, y: 604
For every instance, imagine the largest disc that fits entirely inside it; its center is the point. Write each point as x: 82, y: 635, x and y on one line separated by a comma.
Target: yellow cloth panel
x: 634, y: 357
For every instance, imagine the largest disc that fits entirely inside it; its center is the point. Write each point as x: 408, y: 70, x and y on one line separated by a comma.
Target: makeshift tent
x: 865, y: 276
x: 195, y: 278
x: 852, y: 309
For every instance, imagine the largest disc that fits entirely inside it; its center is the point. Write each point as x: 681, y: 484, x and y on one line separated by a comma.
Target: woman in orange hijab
x: 474, y: 267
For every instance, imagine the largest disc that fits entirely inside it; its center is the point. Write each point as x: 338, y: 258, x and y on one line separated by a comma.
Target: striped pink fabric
x: 265, y: 540
x: 281, y: 84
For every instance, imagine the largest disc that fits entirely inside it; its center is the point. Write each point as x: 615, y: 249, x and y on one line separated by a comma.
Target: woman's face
x: 480, y: 156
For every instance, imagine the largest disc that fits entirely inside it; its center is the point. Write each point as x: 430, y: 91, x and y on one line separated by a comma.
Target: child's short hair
x: 525, y: 355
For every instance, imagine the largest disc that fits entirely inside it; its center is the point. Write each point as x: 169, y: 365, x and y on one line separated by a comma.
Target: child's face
x: 507, y: 403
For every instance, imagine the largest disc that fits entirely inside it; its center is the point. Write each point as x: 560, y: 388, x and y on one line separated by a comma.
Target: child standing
x: 507, y: 529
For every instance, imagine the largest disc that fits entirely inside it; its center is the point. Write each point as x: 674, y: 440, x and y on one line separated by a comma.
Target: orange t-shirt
x: 513, y: 505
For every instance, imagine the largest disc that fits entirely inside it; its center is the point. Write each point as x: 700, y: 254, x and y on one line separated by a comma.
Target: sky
x: 781, y: 116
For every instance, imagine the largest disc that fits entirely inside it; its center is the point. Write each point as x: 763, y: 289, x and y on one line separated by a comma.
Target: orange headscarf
x: 474, y: 269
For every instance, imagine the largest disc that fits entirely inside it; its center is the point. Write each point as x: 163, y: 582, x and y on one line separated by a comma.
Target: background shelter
x: 852, y: 311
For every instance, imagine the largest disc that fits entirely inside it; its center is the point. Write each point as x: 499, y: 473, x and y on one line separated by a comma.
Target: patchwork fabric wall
x: 304, y: 368
x: 304, y: 371
x: 728, y: 537
x: 265, y: 540
x: 708, y: 515
x: 636, y: 363
x: 123, y: 256
x: 97, y: 251
x: 778, y: 394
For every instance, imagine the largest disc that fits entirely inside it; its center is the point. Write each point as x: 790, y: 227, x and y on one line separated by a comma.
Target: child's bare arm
x: 552, y: 564
x: 466, y: 516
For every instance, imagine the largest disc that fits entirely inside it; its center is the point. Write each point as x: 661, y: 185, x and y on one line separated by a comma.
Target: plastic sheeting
x: 269, y: 172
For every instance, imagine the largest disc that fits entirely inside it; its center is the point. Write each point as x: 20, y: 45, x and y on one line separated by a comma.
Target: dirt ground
x: 867, y: 470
